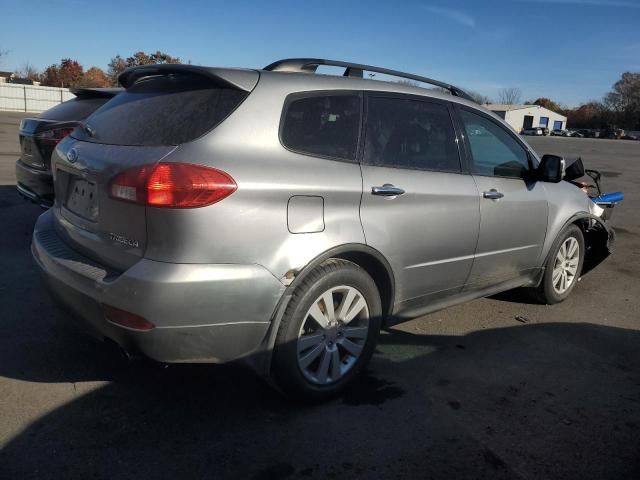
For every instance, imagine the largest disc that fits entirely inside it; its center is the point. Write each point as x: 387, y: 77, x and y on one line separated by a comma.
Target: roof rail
x: 310, y: 65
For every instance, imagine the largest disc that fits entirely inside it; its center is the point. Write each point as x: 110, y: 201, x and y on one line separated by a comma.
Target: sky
x: 569, y: 50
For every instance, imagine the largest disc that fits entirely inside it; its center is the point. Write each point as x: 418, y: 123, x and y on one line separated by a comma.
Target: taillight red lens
x: 173, y: 185
x: 54, y: 136
x: 126, y: 319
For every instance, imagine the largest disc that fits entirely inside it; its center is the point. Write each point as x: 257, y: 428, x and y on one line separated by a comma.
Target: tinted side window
x: 410, y: 134
x: 494, y: 151
x: 324, y: 125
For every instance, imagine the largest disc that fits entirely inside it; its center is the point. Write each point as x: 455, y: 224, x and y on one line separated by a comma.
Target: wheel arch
x: 368, y: 258
x: 598, y: 238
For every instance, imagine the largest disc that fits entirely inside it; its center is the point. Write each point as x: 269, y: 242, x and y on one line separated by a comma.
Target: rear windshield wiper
x: 87, y: 128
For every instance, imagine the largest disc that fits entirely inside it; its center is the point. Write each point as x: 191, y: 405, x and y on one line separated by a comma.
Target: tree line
x: 620, y: 107
x: 70, y: 73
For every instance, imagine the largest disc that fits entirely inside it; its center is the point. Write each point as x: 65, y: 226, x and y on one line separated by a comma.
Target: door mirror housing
x: 574, y: 169
x: 551, y: 169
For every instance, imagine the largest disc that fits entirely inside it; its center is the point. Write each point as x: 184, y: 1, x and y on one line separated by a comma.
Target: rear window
x: 323, y: 125
x: 162, y: 110
x: 74, y: 109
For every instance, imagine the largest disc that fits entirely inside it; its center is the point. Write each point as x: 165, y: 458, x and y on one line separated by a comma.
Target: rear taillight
x: 54, y: 136
x: 172, y: 185
x: 126, y: 319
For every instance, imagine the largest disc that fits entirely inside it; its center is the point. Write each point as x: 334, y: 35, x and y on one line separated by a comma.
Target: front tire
x: 328, y: 332
x: 563, y: 267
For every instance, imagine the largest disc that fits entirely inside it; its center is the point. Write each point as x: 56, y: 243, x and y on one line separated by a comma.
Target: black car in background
x: 40, y: 135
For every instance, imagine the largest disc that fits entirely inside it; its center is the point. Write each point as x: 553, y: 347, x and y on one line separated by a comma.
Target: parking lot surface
x: 496, y: 388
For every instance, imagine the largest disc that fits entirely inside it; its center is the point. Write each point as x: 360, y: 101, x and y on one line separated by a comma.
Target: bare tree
x: 510, y: 96
x: 408, y: 82
x: 479, y: 98
x: 29, y: 72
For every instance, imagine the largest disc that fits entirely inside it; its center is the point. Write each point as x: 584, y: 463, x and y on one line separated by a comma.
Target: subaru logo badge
x: 72, y: 155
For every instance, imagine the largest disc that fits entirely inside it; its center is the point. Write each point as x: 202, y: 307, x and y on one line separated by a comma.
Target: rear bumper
x: 201, y: 313
x: 34, y: 185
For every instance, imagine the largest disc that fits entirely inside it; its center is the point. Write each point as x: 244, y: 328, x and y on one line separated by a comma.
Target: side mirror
x: 551, y: 169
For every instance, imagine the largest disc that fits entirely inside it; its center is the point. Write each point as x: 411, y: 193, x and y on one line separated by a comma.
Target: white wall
x: 515, y: 118
x: 31, y: 98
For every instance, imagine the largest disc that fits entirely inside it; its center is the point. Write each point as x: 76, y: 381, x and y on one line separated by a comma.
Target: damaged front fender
x: 599, y: 239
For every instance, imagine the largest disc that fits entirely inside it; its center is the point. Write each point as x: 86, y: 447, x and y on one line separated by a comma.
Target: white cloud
x: 453, y: 15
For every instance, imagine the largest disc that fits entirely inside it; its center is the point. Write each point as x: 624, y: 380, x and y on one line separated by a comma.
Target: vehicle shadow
x: 517, y: 295
x: 523, y: 296
x: 532, y: 401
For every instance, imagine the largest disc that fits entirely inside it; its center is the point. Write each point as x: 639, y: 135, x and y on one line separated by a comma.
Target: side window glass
x: 410, y: 134
x: 494, y: 151
x: 323, y: 125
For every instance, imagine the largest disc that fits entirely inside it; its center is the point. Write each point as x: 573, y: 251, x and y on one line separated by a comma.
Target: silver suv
x: 282, y: 217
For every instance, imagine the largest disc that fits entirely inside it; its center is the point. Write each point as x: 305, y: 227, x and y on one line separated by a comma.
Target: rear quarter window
x: 162, y: 110
x: 325, y: 125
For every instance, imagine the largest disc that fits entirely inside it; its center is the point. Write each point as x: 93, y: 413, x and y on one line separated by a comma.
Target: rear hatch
x: 39, y: 136
x: 162, y: 108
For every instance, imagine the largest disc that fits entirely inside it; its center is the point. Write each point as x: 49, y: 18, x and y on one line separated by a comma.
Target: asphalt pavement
x: 498, y: 388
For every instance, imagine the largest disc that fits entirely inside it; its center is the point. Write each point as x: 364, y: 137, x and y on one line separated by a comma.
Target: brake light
x: 126, y: 319
x: 172, y: 185
x: 54, y: 136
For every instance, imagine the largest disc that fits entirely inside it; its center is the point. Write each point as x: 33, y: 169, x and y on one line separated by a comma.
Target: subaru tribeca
x: 282, y: 218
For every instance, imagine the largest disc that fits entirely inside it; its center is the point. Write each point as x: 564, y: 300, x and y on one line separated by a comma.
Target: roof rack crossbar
x: 310, y: 65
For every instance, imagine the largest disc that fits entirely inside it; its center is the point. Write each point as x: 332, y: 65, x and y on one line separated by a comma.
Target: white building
x: 527, y: 116
x: 6, y: 77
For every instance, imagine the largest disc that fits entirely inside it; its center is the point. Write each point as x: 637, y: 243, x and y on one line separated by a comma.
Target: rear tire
x: 563, y: 267
x: 319, y: 350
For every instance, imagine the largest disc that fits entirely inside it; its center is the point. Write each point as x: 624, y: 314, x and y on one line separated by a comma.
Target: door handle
x: 387, y: 190
x: 493, y: 194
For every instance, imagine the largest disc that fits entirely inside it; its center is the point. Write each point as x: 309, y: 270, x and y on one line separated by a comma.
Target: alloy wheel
x: 333, y: 334
x: 565, y: 267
